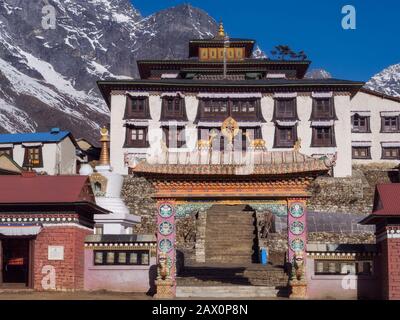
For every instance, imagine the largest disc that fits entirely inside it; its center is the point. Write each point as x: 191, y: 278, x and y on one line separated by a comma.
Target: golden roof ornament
x: 221, y: 31
x: 230, y: 128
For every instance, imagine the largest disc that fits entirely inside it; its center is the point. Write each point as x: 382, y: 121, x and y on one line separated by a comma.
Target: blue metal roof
x: 52, y: 136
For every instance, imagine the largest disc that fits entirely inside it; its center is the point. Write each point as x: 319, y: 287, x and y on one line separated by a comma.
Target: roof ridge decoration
x: 257, y: 162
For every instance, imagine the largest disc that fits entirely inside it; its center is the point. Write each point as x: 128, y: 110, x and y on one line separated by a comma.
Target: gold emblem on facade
x: 230, y: 128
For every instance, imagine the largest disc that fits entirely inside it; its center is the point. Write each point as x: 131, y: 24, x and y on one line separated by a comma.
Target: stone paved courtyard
x: 101, y: 295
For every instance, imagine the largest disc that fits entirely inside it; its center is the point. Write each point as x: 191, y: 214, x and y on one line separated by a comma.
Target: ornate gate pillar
x: 297, y: 246
x: 166, y: 250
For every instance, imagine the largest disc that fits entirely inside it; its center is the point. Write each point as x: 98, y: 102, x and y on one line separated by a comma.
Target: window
x: 137, y: 108
x: 218, y: 143
x: 131, y: 257
x: 390, y: 124
x: 240, y: 141
x: 246, y: 134
x: 173, y: 108
x: 323, y: 137
x: 136, y: 137
x: 285, y: 137
x: 220, y: 109
x: 334, y: 267
x: 391, y: 153
x: 361, y: 152
x: 360, y: 124
x: 216, y: 106
x: 285, y: 109
x: 33, y: 157
x: 323, y: 109
x: 174, y: 137
x: 242, y: 106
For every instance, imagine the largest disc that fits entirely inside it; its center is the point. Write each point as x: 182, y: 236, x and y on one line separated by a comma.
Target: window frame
x: 330, y: 114
x: 384, y: 157
x: 280, y: 143
x: 368, y: 153
x: 130, y: 143
x: 285, y: 102
x: 384, y: 128
x: 28, y: 161
x: 221, y: 137
x: 174, y: 114
x: 181, y: 130
x: 129, y: 114
x: 358, y: 128
x: 316, y: 143
x: 230, y: 104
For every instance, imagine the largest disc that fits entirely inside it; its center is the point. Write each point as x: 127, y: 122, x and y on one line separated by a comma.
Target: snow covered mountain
x: 48, y: 76
x: 318, y: 74
x: 387, y: 81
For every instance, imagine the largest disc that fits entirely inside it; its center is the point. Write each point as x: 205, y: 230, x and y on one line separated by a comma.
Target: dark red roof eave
x: 85, y: 205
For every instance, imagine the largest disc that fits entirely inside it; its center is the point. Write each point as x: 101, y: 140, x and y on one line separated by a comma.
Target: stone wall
x: 351, y: 194
x: 137, y: 193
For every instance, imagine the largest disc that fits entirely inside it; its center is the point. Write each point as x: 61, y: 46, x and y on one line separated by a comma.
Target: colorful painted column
x: 297, y: 246
x: 166, y: 251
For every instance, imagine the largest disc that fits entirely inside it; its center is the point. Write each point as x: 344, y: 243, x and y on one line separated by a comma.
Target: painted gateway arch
x: 277, y: 182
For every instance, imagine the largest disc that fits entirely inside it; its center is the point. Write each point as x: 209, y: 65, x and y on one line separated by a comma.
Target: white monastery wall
x: 67, y: 151
x: 363, y: 102
x: 304, y: 106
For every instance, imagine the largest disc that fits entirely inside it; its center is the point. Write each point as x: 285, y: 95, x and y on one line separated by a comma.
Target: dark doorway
x: 15, y: 262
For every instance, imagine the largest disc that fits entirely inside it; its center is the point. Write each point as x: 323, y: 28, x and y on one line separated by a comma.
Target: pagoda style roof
x: 265, y: 163
x: 259, y: 86
x: 299, y: 67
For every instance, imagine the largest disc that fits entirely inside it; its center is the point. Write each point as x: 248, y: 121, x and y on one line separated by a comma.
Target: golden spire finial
x: 221, y: 31
x: 105, y: 154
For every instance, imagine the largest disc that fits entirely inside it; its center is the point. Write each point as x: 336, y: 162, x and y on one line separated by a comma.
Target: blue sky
x: 314, y: 26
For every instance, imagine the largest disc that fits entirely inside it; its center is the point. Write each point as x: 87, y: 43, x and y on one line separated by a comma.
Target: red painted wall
x: 68, y: 272
x: 393, y: 263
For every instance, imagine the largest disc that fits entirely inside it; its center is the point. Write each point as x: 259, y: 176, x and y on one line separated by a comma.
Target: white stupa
x: 107, y: 189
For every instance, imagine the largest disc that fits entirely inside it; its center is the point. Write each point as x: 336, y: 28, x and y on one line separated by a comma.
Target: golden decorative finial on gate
x: 104, y: 140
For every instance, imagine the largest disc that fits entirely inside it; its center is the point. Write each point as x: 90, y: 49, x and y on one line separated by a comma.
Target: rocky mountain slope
x: 387, y: 81
x: 48, y: 76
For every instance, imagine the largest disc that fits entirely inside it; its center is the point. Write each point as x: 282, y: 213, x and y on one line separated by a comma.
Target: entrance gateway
x: 274, y: 181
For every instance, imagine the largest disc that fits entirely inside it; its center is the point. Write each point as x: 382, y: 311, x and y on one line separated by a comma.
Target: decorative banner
x: 297, y: 227
x: 166, y: 237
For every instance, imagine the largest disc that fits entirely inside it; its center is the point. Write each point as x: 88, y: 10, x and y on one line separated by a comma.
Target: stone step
x: 232, y: 291
x: 233, y: 241
x: 230, y: 224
